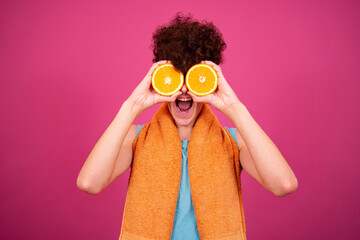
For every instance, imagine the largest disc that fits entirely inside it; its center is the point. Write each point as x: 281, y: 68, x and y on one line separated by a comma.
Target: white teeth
x: 184, y: 99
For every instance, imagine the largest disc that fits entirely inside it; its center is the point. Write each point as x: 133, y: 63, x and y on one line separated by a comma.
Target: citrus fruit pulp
x: 201, y: 79
x: 166, y: 80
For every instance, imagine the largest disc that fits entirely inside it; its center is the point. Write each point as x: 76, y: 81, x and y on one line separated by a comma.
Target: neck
x: 185, y: 132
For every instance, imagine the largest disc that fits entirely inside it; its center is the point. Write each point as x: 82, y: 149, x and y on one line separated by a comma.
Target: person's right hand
x: 144, y: 96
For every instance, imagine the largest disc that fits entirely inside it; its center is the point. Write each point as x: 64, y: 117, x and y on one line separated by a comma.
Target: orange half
x: 201, y: 79
x: 167, y: 80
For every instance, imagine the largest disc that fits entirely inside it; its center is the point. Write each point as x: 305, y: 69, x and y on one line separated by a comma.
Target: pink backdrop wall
x: 67, y: 66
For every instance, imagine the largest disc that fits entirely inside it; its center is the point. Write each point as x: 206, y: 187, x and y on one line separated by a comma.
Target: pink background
x: 66, y: 67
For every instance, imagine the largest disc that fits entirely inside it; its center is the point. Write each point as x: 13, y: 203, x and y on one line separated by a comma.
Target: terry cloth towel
x: 214, y: 174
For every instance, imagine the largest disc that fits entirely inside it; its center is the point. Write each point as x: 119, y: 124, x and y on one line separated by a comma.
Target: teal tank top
x: 184, y: 225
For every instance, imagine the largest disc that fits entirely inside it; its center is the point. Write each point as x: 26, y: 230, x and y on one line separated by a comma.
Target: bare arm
x: 97, y: 171
x: 259, y: 156
x: 112, y: 154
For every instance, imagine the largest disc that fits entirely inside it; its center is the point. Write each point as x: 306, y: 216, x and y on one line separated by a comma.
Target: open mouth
x: 184, y: 104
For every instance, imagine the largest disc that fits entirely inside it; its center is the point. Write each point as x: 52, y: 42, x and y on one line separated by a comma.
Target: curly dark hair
x: 186, y: 42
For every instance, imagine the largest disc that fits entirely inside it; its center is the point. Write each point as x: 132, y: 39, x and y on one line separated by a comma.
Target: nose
x: 184, y: 88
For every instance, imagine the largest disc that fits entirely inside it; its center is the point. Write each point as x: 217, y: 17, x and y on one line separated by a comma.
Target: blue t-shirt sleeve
x: 232, y: 131
x: 138, y: 128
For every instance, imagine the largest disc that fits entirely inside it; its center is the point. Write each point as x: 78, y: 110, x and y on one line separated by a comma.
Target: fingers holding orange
x: 200, y: 99
x: 216, y: 67
x: 155, y: 65
x: 172, y: 98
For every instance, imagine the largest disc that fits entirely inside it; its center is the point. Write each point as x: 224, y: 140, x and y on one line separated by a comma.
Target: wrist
x: 234, y: 109
x: 132, y: 107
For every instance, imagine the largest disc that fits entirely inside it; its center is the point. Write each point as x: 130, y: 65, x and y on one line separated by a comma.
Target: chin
x: 185, y: 117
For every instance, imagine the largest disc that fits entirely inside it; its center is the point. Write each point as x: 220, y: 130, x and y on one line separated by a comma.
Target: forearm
x: 271, y: 166
x: 100, y: 163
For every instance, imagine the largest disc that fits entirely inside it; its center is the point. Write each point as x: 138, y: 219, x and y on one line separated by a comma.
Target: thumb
x: 200, y: 99
x: 171, y: 98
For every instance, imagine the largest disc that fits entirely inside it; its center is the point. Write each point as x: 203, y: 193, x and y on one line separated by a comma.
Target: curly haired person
x: 185, y: 167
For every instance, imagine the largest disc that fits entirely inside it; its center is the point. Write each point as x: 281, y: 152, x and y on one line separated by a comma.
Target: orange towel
x: 214, y: 172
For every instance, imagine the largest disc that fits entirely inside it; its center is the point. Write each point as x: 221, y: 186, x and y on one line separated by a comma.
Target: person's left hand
x: 223, y: 97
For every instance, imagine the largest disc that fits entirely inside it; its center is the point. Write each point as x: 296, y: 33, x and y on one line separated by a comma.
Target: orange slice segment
x: 166, y: 80
x: 201, y: 79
